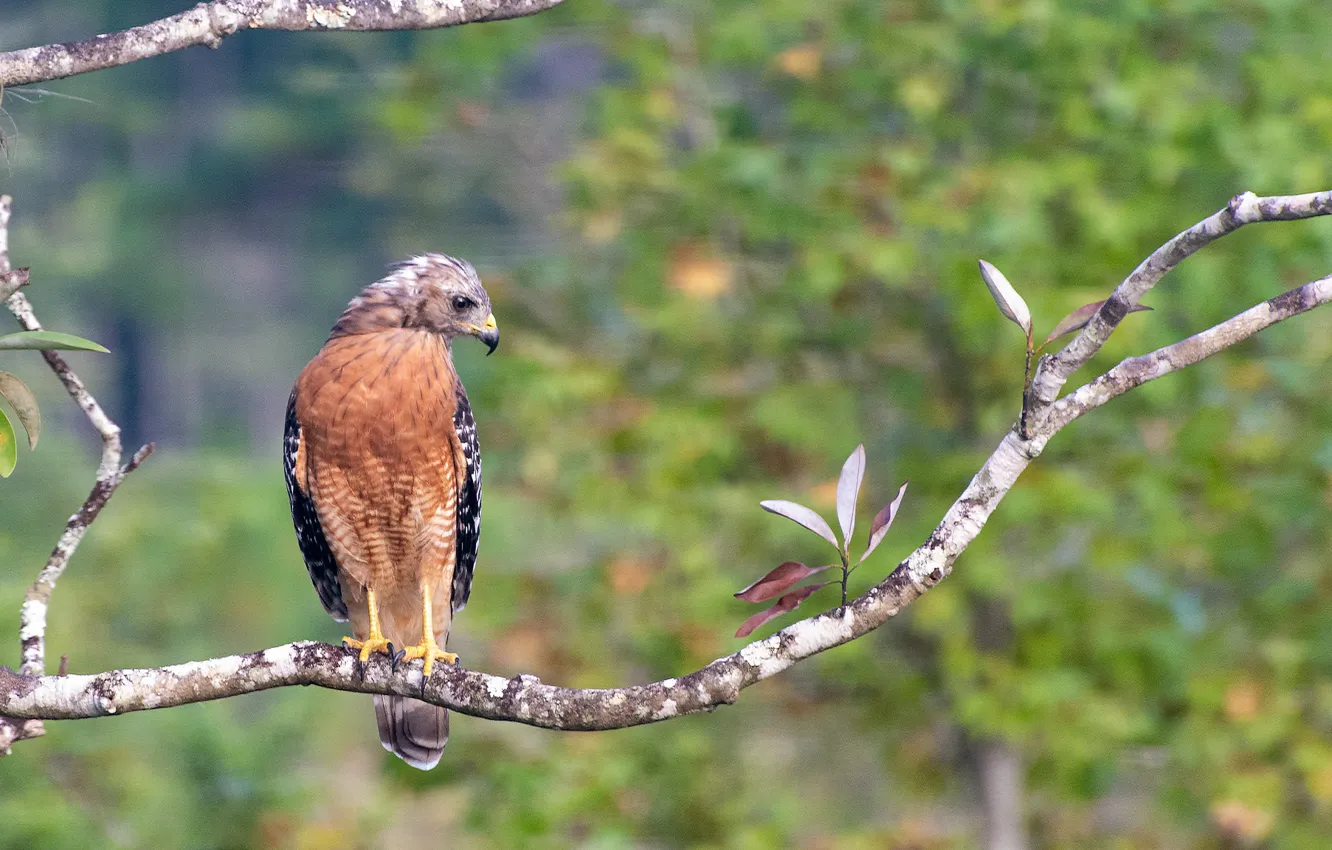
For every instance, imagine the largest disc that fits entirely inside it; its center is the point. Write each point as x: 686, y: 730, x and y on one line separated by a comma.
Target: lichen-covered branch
x: 110, y: 472
x: 209, y: 23
x: 525, y: 699
x: 1244, y: 208
x: 13, y: 280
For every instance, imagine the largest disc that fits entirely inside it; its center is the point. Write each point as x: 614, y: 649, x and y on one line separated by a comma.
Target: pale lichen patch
x: 761, y: 656
x: 335, y: 18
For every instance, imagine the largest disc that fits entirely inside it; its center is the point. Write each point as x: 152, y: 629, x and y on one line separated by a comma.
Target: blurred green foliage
x: 726, y: 243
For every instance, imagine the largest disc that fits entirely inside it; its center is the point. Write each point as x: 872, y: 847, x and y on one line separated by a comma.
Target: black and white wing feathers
x: 469, y: 502
x: 309, y: 533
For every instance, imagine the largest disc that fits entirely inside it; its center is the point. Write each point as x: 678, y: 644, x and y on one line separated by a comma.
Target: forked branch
x: 110, y: 472
x: 1244, y: 208
x: 525, y: 699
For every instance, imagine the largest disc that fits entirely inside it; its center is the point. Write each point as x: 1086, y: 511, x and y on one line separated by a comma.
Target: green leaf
x: 8, y: 446
x: 49, y: 341
x: 25, y: 405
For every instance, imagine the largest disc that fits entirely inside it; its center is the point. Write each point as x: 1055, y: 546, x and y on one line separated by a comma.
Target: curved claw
x: 372, y: 644
x: 428, y: 649
x: 431, y: 653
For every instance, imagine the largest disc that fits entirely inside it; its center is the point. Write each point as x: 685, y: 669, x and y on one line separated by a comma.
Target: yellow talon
x: 427, y: 648
x: 375, y: 641
x: 430, y: 651
x: 367, y: 646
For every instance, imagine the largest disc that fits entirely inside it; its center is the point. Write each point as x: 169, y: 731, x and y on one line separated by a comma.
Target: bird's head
x: 431, y: 292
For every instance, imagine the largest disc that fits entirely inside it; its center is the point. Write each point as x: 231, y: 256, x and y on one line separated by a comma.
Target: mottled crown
x: 432, y: 292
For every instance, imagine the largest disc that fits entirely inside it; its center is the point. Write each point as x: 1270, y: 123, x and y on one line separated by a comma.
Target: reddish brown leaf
x: 14, y: 391
x: 848, y: 489
x: 1078, y: 319
x: 883, y: 520
x: 787, y: 603
x: 777, y: 582
x: 802, y: 515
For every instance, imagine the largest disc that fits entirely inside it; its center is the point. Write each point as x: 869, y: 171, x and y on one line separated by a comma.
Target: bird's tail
x: 414, y: 731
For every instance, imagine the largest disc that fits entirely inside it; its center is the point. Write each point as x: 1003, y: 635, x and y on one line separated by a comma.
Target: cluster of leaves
x: 1012, y: 305
x: 1015, y: 309
x: 21, y: 398
x: 777, y: 584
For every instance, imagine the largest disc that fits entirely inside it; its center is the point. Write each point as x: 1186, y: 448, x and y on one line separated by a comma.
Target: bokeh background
x: 726, y: 242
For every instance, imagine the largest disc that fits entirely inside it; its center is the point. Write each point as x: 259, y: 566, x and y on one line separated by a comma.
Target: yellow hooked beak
x: 487, y: 333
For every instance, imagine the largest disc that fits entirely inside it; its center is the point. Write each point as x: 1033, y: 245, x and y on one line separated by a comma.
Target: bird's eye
x: 462, y: 302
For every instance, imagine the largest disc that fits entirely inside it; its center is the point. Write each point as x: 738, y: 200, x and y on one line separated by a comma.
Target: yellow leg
x: 374, y: 642
x: 427, y: 648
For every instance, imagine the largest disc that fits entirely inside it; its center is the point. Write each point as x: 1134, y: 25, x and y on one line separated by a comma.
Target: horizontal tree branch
x: 209, y: 23
x: 525, y: 699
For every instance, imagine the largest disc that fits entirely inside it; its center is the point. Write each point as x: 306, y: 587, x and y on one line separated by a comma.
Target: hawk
x: 384, y: 477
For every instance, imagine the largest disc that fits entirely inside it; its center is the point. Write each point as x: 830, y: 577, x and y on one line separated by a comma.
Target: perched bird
x: 384, y: 477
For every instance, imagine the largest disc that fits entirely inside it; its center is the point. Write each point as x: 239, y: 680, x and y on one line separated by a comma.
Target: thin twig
x: 32, y: 616
x: 846, y: 571
x: 1023, y: 432
x: 12, y: 729
x: 110, y: 473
